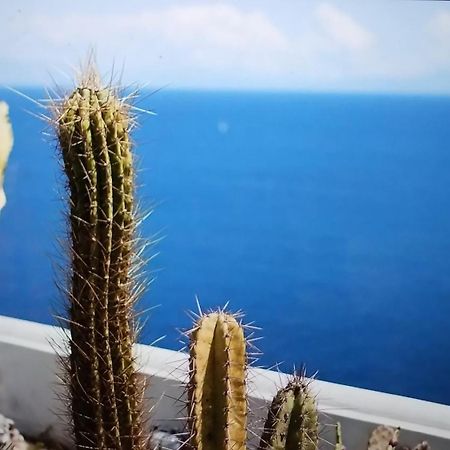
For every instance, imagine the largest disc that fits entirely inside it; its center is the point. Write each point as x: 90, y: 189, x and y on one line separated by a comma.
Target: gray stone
x: 10, y: 435
x: 162, y: 440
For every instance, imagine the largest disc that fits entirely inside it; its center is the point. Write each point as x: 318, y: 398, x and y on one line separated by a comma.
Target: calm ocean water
x: 326, y: 218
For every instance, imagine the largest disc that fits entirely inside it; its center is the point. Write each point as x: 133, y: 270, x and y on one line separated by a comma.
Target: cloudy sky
x: 395, y: 45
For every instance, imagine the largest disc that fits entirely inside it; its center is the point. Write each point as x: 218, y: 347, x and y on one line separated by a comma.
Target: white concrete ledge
x: 29, y: 391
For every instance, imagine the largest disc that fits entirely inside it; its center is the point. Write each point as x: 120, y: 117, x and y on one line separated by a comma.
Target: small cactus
x: 6, y: 142
x: 292, y: 422
x: 217, y: 390
x: 92, y: 126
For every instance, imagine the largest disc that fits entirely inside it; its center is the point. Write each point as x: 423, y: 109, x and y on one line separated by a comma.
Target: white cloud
x: 439, y: 29
x: 435, y: 56
x: 192, y: 40
x: 343, y: 29
x: 219, y: 25
x: 440, y: 26
x: 196, y: 43
x: 207, y: 36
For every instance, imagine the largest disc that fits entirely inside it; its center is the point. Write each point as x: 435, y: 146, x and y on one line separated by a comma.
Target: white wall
x: 29, y: 391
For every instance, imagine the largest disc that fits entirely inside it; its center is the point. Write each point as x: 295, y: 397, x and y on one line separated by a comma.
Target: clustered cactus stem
x: 292, y: 422
x: 217, y: 388
x: 93, y: 126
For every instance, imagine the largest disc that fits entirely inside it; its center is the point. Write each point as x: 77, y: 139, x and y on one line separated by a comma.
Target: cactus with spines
x: 292, y: 422
x: 92, y: 126
x: 217, y: 394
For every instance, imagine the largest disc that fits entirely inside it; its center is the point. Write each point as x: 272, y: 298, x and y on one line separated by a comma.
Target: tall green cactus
x: 93, y: 130
x: 292, y: 422
x: 217, y: 389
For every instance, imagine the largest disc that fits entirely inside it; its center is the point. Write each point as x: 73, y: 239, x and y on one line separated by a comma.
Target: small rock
x: 162, y: 440
x: 423, y: 446
x: 10, y: 436
x: 383, y: 437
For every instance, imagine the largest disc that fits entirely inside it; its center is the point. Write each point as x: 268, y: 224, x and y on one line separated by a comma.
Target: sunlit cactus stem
x: 93, y: 130
x: 217, y: 389
x: 292, y: 422
x: 6, y: 142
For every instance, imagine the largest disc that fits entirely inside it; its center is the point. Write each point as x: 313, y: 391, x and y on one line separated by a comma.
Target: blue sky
x: 388, y: 46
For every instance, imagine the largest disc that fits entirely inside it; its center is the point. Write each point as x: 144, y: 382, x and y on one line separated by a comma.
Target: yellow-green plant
x: 6, y: 143
x: 217, y: 384
x: 292, y: 422
x: 92, y: 126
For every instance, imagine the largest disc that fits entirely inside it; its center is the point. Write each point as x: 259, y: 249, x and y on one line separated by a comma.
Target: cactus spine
x: 6, y: 142
x: 292, y: 422
x: 217, y: 389
x: 92, y: 128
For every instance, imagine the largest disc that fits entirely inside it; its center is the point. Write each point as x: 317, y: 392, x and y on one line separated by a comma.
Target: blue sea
x: 324, y: 217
